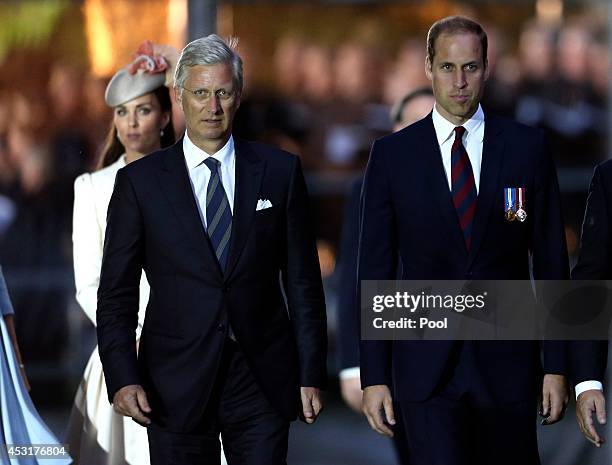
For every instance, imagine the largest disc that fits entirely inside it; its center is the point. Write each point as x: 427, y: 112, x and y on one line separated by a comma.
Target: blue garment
x: 20, y: 424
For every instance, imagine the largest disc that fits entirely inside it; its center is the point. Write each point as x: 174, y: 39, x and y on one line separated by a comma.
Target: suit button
x: 221, y: 328
x: 226, y: 289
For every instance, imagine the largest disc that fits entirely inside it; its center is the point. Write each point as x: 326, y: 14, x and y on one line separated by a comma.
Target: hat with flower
x: 152, y: 67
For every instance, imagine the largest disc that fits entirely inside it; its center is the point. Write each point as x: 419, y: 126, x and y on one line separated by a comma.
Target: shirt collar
x: 195, y: 156
x: 445, y: 129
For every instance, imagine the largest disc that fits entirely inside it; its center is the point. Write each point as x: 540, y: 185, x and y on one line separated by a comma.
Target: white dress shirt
x: 473, y: 142
x: 199, y: 173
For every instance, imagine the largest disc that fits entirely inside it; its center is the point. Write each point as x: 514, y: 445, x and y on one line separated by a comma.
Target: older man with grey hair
x: 234, y: 339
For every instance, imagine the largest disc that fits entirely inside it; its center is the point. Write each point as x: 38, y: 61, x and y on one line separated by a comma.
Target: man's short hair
x: 454, y: 25
x: 207, y: 51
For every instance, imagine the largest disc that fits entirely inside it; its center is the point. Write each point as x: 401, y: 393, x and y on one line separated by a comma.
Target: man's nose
x: 213, y: 104
x: 460, y: 80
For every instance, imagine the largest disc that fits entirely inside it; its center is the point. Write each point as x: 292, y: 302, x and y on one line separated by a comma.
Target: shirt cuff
x: 588, y: 385
x: 347, y: 373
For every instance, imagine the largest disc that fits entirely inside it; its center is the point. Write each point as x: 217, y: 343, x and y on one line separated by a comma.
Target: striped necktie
x: 218, y: 213
x: 463, y: 186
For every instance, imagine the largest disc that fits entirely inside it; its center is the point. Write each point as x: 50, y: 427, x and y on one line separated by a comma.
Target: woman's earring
x: 161, y: 133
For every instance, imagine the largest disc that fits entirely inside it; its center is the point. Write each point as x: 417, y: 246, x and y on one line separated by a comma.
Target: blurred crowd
x: 327, y: 104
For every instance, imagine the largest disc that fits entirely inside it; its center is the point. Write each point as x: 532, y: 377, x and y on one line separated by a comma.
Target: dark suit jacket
x: 589, y: 359
x: 348, y: 302
x: 154, y: 224
x: 408, y: 208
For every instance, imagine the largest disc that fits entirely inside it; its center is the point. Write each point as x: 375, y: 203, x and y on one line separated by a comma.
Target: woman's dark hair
x: 113, y: 148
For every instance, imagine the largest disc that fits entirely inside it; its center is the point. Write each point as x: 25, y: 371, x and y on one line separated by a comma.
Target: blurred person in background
x: 141, y: 124
x: 411, y: 108
x: 500, y: 94
x: 36, y: 240
x: 536, y: 58
x: 406, y: 73
x: 70, y: 147
x: 572, y: 105
x: 20, y: 423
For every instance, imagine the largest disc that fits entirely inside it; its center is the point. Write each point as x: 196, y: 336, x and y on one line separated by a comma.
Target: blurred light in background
x: 550, y: 11
x: 28, y: 23
x: 115, y: 28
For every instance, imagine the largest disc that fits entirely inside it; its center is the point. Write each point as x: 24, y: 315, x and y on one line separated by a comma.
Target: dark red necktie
x: 463, y: 186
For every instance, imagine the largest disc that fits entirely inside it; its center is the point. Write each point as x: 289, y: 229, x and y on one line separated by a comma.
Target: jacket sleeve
x: 548, y: 248
x: 377, y: 259
x: 87, y: 242
x: 589, y: 358
x: 118, y: 293
x: 303, y: 285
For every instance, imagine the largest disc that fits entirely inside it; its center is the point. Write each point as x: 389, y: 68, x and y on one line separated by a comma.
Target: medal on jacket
x: 509, y: 203
x: 521, y: 214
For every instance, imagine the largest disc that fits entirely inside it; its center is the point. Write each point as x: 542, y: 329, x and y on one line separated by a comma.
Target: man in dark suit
x: 434, y: 197
x: 217, y: 224
x: 594, y: 263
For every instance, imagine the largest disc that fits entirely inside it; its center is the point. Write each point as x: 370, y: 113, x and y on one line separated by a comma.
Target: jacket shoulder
x: 268, y: 152
x: 514, y: 129
x: 605, y: 169
x: 146, y: 165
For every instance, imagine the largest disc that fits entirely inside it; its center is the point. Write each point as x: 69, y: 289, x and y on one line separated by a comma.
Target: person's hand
x: 350, y: 388
x: 377, y: 399
x: 312, y: 403
x: 25, y: 377
x: 131, y: 401
x: 589, y: 402
x: 554, y: 398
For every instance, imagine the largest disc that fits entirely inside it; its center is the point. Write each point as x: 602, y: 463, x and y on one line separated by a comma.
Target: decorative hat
x: 149, y: 70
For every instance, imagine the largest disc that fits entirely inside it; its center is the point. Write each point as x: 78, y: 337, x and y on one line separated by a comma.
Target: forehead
x: 458, y: 46
x: 146, y: 99
x: 210, y: 75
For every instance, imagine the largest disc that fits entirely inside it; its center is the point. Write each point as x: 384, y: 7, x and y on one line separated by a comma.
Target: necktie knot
x: 213, y: 164
x: 459, y: 132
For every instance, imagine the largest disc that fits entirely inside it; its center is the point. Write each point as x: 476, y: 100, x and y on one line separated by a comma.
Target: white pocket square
x: 262, y: 204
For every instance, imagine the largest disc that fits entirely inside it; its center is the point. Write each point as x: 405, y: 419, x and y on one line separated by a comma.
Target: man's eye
x: 120, y: 112
x: 471, y: 67
x: 199, y: 92
x: 222, y: 93
x: 446, y: 67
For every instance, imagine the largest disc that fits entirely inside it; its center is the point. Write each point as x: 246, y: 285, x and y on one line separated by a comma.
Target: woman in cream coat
x: 141, y: 124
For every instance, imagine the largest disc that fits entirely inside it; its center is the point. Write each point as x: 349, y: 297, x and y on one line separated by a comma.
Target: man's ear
x: 178, y: 97
x: 428, y: 65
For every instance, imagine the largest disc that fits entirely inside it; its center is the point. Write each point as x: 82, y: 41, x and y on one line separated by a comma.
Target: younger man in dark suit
x: 433, y: 195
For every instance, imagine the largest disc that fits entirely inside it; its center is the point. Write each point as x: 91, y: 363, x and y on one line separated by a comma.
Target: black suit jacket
x: 408, y: 208
x: 154, y: 224
x: 589, y: 359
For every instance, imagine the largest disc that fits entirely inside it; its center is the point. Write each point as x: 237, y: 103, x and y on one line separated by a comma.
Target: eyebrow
x: 473, y: 62
x: 119, y: 107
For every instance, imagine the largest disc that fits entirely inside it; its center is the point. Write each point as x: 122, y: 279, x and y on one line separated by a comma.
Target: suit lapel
x: 439, y: 183
x: 492, y: 156
x: 249, y: 174
x: 176, y: 186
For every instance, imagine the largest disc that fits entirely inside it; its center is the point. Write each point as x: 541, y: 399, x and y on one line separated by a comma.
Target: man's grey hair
x: 207, y: 51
